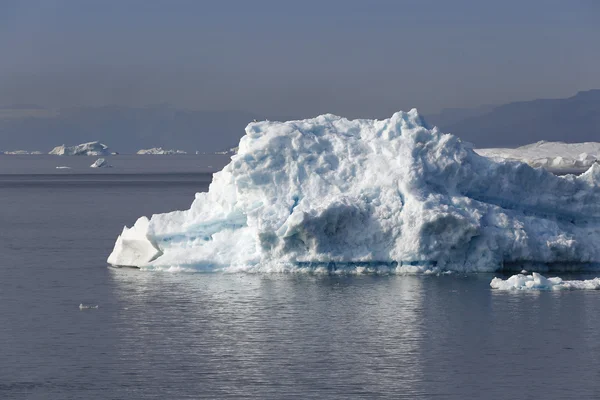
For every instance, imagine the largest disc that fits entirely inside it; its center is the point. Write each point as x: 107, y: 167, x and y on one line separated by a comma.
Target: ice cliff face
x: 84, y: 149
x: 393, y: 194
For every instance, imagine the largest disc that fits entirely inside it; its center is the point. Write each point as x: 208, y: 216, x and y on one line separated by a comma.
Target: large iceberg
x: 84, y: 149
x: 392, y: 195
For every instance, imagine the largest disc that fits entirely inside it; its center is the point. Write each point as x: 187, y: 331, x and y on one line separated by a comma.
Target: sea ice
x: 554, y: 156
x: 385, y: 195
x: 540, y: 282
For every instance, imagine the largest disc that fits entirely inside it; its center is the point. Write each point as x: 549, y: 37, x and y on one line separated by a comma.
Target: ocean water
x: 158, y: 335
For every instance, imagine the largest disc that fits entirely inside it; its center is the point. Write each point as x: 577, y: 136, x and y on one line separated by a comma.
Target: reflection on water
x: 259, y: 335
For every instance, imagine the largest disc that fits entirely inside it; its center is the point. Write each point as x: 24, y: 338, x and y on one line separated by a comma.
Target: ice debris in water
x: 540, y: 282
x: 387, y: 195
x: 87, y: 307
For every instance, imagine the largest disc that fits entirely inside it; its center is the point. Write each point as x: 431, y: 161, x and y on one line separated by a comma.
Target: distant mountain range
x: 574, y: 119
x: 128, y: 129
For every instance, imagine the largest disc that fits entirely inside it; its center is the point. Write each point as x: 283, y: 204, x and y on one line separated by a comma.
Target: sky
x: 301, y: 58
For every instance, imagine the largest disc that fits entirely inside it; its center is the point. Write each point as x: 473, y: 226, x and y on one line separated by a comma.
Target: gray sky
x: 349, y: 57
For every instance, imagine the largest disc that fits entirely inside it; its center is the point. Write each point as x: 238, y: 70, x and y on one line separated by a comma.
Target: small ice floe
x: 63, y: 167
x: 536, y: 281
x: 87, y: 307
x: 524, y: 271
x: 101, y: 163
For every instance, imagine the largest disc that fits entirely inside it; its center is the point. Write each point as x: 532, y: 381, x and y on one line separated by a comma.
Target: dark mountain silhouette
x: 571, y: 120
x: 128, y: 129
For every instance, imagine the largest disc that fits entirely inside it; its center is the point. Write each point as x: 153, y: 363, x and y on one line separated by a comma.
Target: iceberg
x: 229, y: 151
x: 100, y: 163
x: 537, y: 281
x: 22, y: 152
x: 389, y: 195
x: 159, y: 151
x: 84, y: 149
x: 554, y: 156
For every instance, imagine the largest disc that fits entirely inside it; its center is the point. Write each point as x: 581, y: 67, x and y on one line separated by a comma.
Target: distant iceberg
x: 100, y: 163
x: 84, y: 149
x: 22, y: 152
x: 160, y: 151
x: 230, y: 151
x: 554, y: 156
x: 387, y: 195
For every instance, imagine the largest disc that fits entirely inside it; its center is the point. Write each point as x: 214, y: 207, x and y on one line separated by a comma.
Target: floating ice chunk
x: 391, y: 193
x: 87, y: 307
x: 133, y: 248
x: 540, y: 282
x: 100, y: 163
x: 63, y: 167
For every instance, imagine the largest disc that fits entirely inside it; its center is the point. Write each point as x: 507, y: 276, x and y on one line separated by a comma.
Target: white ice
x: 100, y: 163
x: 84, y: 149
x: 384, y: 195
x: 22, y: 152
x: 160, y: 151
x: 539, y: 282
x: 555, y: 156
x: 87, y: 307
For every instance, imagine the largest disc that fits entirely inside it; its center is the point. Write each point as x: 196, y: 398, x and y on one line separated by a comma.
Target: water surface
x: 210, y: 335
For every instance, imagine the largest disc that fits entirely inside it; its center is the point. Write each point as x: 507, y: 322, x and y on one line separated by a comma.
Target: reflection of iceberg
x: 337, y: 194
x: 322, y: 329
x: 540, y: 282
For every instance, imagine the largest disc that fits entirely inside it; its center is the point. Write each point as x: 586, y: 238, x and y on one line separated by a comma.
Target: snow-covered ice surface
x: 536, y: 281
x: 100, y: 163
x: 555, y: 156
x: 390, y: 196
x: 160, y: 151
x: 84, y: 149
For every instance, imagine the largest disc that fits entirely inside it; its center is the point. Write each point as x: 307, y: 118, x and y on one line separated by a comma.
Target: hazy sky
x: 302, y: 57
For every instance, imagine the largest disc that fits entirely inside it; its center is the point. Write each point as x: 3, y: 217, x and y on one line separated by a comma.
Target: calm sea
x: 211, y: 335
